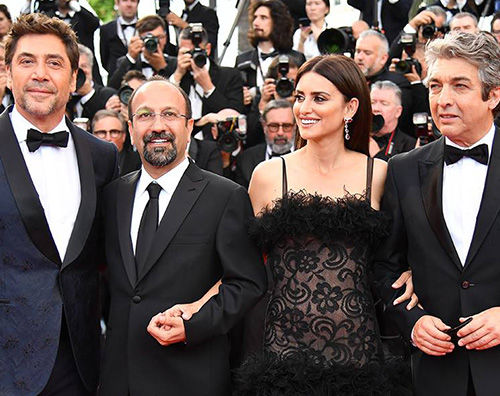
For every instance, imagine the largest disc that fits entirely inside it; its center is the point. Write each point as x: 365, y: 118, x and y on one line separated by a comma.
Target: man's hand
x: 405, y: 280
x: 202, y: 77
x: 428, y: 336
x: 167, y: 329
x: 267, y: 92
x: 247, y: 96
x: 422, y: 18
x: 155, y: 59
x: 135, y: 47
x: 483, y: 332
x: 175, y: 20
x: 183, y: 63
x: 113, y: 103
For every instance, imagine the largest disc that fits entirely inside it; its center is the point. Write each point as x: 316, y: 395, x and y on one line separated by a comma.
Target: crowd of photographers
x: 243, y: 113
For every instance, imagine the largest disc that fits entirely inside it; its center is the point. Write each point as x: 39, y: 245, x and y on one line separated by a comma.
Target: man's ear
x: 494, y: 98
x: 208, y: 48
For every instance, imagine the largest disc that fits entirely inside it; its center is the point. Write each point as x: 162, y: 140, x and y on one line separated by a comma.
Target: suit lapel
x: 490, y: 202
x: 88, y: 202
x: 126, y: 195
x: 185, y: 196
x: 24, y: 192
x: 431, y: 185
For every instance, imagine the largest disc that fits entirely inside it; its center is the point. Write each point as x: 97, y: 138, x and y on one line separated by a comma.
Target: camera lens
x: 124, y: 94
x: 284, y: 87
x: 199, y: 58
x: 151, y: 44
x: 227, y: 142
x: 403, y: 67
x: 428, y: 31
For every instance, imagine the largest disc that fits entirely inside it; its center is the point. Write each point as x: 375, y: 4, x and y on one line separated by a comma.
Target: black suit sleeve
x: 228, y: 92
x: 97, y: 101
x: 124, y: 65
x: 390, y: 259
x: 244, y: 279
x: 104, y: 46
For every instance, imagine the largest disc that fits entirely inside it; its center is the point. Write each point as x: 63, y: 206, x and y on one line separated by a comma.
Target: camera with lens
x: 231, y: 131
x: 430, y: 30
x: 196, y: 36
x: 425, y: 130
x: 284, y: 86
x: 163, y: 8
x: 47, y: 7
x: 337, y: 41
x: 404, y: 66
x: 151, y: 43
x: 124, y: 93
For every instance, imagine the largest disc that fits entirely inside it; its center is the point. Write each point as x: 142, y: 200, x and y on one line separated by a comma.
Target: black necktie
x: 36, y: 138
x: 478, y: 153
x: 148, y: 226
x: 269, y: 55
x: 126, y: 25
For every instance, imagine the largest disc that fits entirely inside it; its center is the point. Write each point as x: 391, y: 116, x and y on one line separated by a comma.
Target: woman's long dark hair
x: 343, y: 72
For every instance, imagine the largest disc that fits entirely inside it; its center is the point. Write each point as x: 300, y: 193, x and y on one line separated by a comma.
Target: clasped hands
x: 483, y: 332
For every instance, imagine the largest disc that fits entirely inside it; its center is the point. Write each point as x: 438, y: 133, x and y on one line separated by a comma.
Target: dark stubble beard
x: 160, y: 156
x: 29, y: 105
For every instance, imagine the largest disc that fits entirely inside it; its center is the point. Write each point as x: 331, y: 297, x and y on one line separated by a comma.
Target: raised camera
x: 284, y: 86
x: 124, y: 93
x: 150, y: 43
x: 196, y: 36
x: 337, y: 41
x: 404, y: 66
x: 230, y: 132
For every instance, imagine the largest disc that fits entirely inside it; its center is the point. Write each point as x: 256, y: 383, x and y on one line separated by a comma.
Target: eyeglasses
x: 274, y: 127
x: 114, y: 133
x: 167, y: 117
x: 495, y: 32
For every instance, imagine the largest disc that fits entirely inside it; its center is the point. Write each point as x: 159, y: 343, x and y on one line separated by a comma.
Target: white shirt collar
x: 190, y: 8
x: 21, y: 125
x: 168, y: 181
x: 486, y: 139
x: 122, y: 21
x: 459, y: 3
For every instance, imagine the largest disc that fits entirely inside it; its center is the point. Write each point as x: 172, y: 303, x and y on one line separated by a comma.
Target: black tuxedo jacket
x: 124, y: 65
x: 94, y: 104
x: 208, y: 17
x: 246, y: 163
x: 111, y: 46
x: 419, y: 239
x: 394, y: 16
x: 37, y: 289
x: 228, y: 89
x: 251, y: 57
x: 201, y: 238
x: 206, y: 154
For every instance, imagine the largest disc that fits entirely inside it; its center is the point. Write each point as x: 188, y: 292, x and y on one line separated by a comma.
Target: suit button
x: 465, y: 284
x: 136, y: 299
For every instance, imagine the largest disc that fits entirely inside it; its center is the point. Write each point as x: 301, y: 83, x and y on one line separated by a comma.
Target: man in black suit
x: 51, y: 174
x: 391, y: 16
x: 271, y: 35
x: 90, y: 97
x: 145, y: 52
x: 116, y: 35
x: 388, y: 140
x: 210, y: 87
x: 279, y: 130
x: 201, y: 237
x: 443, y: 200
x: 371, y: 55
x: 195, y: 12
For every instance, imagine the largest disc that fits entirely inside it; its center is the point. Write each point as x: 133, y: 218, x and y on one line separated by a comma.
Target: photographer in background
x: 119, y: 102
x: 389, y: 140
x: 145, y: 52
x: 464, y: 22
x: 116, y: 35
x: 195, y: 12
x: 305, y: 38
x: 89, y: 96
x: 210, y: 87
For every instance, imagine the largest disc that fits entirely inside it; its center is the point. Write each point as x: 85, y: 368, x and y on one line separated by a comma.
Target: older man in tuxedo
x: 172, y: 232
x: 444, y: 201
x: 51, y: 173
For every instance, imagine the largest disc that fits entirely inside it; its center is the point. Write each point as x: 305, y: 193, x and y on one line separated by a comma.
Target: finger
x: 471, y: 328
x: 480, y: 340
x: 413, y: 302
x: 401, y: 280
x: 491, y: 344
x: 471, y: 337
x: 434, y: 348
x: 403, y: 297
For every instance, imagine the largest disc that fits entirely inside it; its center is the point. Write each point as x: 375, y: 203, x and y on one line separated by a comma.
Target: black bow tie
x: 478, y: 153
x: 269, y: 55
x: 145, y: 65
x: 36, y: 138
x: 126, y: 25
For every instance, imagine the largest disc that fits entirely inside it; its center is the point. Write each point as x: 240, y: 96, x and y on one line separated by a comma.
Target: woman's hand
x: 406, y: 280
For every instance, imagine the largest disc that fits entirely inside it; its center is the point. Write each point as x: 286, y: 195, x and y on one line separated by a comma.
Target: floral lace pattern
x: 321, y: 301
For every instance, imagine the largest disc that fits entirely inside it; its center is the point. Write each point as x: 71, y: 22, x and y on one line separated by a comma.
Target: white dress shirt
x: 168, y: 182
x: 54, y: 172
x: 126, y: 34
x: 310, y: 44
x: 263, y: 66
x: 463, y: 186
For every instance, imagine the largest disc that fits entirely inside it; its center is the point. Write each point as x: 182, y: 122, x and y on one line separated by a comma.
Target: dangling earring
x: 346, y: 127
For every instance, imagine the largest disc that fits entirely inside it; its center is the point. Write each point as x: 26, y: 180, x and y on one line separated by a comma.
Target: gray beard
x: 280, y: 148
x: 160, y: 156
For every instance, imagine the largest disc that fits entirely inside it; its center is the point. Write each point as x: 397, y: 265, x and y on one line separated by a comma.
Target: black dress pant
x: 65, y: 379
x: 470, y: 387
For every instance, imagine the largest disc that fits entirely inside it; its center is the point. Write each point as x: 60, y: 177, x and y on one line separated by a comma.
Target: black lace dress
x: 321, y: 335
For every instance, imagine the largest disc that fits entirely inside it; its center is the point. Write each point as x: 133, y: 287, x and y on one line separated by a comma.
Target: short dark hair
x: 5, y: 11
x: 104, y: 113
x: 276, y: 104
x: 189, y: 112
x: 185, y: 34
x: 346, y: 76
x: 150, y: 22
x: 42, y: 24
x: 282, y: 31
x: 131, y: 74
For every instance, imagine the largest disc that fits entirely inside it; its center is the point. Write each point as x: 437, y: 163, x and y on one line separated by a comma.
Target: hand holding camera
x: 267, y: 92
x: 135, y: 47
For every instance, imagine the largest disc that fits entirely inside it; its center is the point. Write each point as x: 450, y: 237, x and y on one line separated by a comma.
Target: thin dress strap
x: 369, y: 177
x: 285, y: 181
